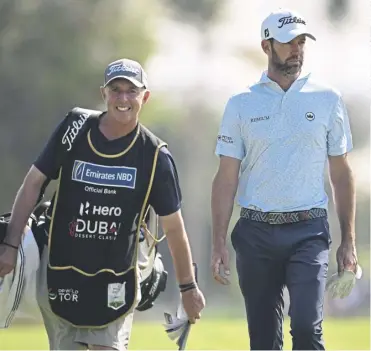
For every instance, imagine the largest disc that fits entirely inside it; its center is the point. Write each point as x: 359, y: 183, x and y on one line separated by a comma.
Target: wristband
x: 189, y: 288
x: 186, y: 287
x: 10, y: 245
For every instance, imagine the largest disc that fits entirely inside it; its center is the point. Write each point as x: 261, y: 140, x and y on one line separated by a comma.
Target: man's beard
x: 287, y: 69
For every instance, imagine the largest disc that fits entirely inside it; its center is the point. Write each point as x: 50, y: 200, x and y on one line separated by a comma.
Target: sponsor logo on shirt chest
x: 259, y: 119
x: 112, y: 176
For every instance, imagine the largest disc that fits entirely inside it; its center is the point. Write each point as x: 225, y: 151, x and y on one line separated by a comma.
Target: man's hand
x: 346, y: 257
x: 8, y: 259
x: 193, y: 302
x: 224, y: 189
x: 220, y: 264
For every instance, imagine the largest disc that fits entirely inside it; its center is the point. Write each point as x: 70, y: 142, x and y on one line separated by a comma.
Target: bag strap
x: 78, y: 122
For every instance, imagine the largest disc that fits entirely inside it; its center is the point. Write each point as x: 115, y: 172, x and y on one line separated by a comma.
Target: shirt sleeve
x: 48, y: 161
x: 229, y: 140
x: 165, y: 196
x: 339, y: 138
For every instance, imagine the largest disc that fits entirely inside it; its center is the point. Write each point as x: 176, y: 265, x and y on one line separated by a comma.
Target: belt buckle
x: 304, y: 215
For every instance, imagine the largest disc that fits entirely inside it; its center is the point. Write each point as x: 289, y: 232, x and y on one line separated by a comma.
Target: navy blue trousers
x: 270, y: 257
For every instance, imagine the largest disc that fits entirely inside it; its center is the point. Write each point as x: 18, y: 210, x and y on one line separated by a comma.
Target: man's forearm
x: 345, y: 202
x: 23, y: 205
x: 222, y: 200
x: 181, y: 254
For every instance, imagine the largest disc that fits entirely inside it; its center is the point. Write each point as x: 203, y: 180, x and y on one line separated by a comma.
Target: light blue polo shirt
x: 283, y: 140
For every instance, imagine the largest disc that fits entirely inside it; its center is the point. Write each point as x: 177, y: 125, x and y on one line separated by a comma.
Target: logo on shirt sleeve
x: 225, y: 139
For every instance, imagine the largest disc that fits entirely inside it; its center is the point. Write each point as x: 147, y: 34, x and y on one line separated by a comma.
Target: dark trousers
x: 269, y: 257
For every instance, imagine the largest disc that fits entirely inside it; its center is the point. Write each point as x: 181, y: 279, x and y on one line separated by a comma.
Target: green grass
x: 218, y: 334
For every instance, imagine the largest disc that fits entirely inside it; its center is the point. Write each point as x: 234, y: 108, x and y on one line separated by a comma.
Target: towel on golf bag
x: 18, y: 288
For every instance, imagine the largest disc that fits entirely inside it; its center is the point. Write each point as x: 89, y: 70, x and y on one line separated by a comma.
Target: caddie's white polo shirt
x: 283, y: 140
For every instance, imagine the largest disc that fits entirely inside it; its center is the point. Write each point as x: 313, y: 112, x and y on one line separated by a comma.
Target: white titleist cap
x: 284, y: 25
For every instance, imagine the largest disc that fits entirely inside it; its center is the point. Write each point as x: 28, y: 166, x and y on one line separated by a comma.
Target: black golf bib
x: 94, y: 230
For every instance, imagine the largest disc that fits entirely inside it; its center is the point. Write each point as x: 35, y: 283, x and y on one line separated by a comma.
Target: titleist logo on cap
x: 121, y: 67
x: 288, y: 20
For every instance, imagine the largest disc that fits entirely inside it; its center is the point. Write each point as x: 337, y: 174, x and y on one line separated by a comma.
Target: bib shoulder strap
x: 78, y: 121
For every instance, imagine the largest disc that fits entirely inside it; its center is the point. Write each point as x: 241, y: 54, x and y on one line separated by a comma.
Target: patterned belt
x: 283, y: 217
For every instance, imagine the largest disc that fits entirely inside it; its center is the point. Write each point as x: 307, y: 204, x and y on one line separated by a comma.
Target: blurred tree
x: 52, y: 58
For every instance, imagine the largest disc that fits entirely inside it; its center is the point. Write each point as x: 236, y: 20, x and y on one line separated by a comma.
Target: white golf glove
x: 340, y: 286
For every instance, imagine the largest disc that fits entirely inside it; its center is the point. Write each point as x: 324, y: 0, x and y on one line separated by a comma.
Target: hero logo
x: 95, y: 229
x: 64, y: 295
x: 100, y: 210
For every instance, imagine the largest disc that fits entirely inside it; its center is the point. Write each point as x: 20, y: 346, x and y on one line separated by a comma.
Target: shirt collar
x: 264, y: 79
